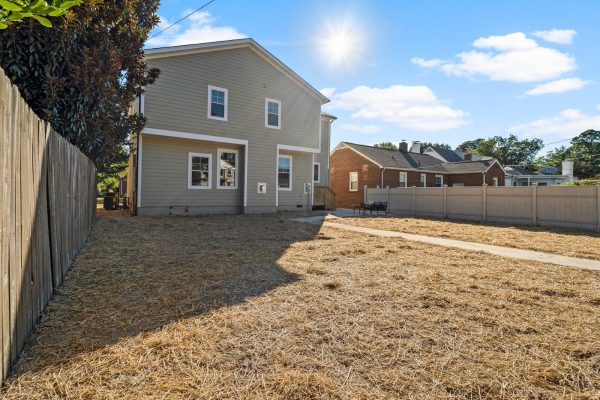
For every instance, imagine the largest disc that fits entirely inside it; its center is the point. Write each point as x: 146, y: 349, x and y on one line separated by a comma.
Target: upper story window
x: 199, y: 171
x: 228, y: 160
x: 402, y: 180
x: 217, y: 103
x: 284, y: 173
x: 273, y: 113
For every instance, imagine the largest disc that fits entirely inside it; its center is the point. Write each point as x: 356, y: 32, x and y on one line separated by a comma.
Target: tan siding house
x: 230, y: 129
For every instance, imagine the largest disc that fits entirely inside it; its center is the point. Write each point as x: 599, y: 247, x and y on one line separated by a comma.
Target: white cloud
x: 410, y: 107
x: 198, y: 28
x: 560, y: 36
x: 567, y: 124
x: 559, y: 86
x: 513, y: 57
x: 598, y: 107
x: 513, y: 41
x: 435, y: 62
x: 367, y: 129
x: 328, y: 91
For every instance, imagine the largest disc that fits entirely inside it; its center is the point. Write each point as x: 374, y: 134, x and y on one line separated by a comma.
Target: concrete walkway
x: 460, y: 244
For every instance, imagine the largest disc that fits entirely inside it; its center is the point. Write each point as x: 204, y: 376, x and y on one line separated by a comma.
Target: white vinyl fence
x: 576, y: 207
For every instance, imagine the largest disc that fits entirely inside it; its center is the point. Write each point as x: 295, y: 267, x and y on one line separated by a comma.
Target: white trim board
x: 139, y: 180
x: 296, y: 148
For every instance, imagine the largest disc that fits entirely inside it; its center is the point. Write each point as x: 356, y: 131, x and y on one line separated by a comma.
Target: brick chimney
x: 468, y: 157
x: 403, y: 146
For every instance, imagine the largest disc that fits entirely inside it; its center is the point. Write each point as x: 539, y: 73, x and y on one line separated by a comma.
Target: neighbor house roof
x: 447, y: 154
x: 161, y: 52
x: 395, y: 159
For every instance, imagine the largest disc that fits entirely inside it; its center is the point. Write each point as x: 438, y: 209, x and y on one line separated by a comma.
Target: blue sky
x: 429, y: 70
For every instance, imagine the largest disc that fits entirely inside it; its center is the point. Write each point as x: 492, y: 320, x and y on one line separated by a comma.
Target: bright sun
x: 341, y: 43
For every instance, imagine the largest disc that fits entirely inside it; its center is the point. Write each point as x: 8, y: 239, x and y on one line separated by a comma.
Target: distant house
x: 354, y: 165
x: 548, y: 176
x: 230, y: 129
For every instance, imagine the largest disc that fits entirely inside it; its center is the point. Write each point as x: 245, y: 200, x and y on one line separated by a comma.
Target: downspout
x: 382, y: 170
x: 136, y: 187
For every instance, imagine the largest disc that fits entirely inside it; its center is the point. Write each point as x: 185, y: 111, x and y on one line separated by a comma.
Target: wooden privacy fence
x: 576, y: 207
x: 47, y: 207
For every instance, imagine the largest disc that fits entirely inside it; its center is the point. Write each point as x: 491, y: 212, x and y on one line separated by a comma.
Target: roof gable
x: 174, y: 51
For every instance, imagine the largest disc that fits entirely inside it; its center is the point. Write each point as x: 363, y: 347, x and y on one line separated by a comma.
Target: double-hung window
x: 199, y: 171
x: 402, y: 180
x: 228, y: 162
x: 273, y: 113
x: 353, y: 184
x: 284, y: 173
x: 317, y: 172
x: 439, y: 180
x: 423, y: 180
x: 217, y: 103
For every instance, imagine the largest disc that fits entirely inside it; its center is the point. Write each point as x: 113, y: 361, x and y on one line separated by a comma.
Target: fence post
x: 387, y: 196
x: 534, y: 204
x: 365, y: 195
x: 484, y: 202
x: 445, y: 189
x: 598, y: 204
x: 413, y: 200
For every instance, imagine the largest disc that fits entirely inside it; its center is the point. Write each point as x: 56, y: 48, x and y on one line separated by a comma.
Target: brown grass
x: 568, y: 243
x: 239, y: 307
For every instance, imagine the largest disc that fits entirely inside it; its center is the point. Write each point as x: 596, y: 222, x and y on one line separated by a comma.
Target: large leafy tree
x: 584, y: 151
x: 386, y: 145
x: 507, y: 150
x: 83, y: 74
x: 426, y: 145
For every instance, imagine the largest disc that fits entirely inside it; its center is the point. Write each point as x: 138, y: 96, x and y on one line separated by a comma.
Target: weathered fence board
x: 574, y: 207
x: 47, y: 208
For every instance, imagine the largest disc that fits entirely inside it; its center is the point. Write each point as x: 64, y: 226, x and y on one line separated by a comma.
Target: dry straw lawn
x: 568, y: 243
x: 263, y: 307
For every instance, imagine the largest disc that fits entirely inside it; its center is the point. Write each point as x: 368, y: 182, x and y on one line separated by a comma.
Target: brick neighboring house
x: 352, y: 166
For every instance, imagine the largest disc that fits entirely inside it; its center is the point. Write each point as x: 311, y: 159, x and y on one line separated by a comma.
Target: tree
x: 426, y: 145
x: 507, y: 150
x: 386, y: 145
x: 83, y: 74
x: 12, y: 11
x: 584, y: 151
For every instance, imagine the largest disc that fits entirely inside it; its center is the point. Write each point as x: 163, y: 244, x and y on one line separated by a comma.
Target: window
x: 316, y: 172
x: 284, y: 173
x: 272, y: 113
x: 353, y: 186
x: 217, y: 103
x: 199, y: 171
x: 439, y: 180
x: 227, y: 169
x: 495, y: 181
x: 423, y: 180
x: 402, y: 181
x: 539, y: 184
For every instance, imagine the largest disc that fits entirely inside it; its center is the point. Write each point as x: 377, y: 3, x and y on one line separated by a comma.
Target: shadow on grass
x: 140, y: 274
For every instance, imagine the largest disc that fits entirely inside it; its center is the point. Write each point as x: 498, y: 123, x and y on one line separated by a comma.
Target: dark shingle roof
x: 416, y: 161
x: 448, y: 155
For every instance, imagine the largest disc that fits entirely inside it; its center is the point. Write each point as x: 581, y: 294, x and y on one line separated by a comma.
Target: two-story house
x: 230, y: 129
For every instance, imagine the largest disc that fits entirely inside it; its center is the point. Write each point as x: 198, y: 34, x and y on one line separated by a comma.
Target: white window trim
x: 495, y: 180
x: 405, y: 179
x: 319, y: 174
x: 423, y: 181
x: 226, y: 91
x: 206, y: 155
x: 350, y: 181
x: 439, y: 176
x: 237, y: 161
x: 267, y: 100
x: 291, y: 171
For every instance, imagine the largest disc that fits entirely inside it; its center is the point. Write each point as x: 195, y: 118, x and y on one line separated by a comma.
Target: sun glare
x: 341, y: 43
